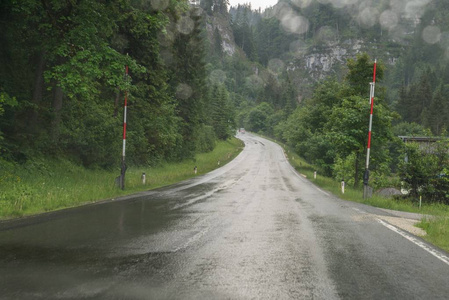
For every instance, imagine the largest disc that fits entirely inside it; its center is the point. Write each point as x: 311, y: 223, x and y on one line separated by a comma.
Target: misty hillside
x: 309, y: 41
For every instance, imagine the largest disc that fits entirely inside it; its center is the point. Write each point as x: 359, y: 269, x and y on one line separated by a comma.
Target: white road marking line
x: 327, y: 194
x: 191, y: 240
x: 417, y: 242
x: 299, y: 176
x: 358, y: 210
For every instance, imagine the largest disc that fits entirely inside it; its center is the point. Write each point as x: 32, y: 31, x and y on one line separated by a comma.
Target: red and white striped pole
x: 368, y: 150
x: 124, y: 115
x: 123, y: 168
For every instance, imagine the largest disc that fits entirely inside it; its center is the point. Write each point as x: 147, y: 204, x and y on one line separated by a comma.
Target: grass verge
x: 48, y: 185
x: 436, y: 227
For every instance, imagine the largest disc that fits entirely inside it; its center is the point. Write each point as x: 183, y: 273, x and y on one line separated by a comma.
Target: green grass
x: 436, y: 227
x: 48, y: 185
x: 437, y: 231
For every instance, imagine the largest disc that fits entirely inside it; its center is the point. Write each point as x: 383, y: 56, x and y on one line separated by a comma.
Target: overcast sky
x: 255, y: 4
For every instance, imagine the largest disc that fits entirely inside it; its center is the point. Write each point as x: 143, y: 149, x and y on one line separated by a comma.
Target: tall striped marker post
x: 368, y: 149
x: 123, y: 167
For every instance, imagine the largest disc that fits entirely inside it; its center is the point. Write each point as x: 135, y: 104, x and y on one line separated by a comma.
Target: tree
x: 67, y: 74
x: 360, y: 74
x: 258, y: 117
x: 188, y: 81
x: 220, y: 112
x: 348, y: 127
x: 243, y: 31
x: 416, y: 169
x: 288, y: 96
x: 435, y: 116
x: 332, y: 126
x: 305, y: 127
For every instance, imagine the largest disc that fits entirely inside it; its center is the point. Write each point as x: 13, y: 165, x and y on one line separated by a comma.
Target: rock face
x: 221, y: 23
x: 308, y: 64
x: 388, y: 192
x: 320, y: 62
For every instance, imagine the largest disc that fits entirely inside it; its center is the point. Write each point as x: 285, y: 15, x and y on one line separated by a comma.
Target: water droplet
x: 185, y: 25
x: 388, y: 19
x: 368, y: 17
x: 183, y: 91
x: 444, y: 40
x: 254, y: 82
x: 298, y: 47
x: 301, y: 3
x: 159, y: 4
x: 446, y: 54
x: 276, y: 65
x: 342, y: 3
x: 431, y: 34
x: 167, y: 57
x: 294, y: 23
x: 415, y: 9
x: 326, y: 35
x: 217, y: 76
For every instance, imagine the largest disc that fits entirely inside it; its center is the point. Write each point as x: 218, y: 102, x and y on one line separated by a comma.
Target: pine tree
x: 435, y: 117
x: 221, y: 117
x: 188, y: 73
x: 289, y: 96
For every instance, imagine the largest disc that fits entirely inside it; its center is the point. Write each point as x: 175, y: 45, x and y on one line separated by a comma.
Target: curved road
x: 253, y: 229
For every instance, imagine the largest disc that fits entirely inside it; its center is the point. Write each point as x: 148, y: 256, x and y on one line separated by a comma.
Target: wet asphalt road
x: 253, y: 229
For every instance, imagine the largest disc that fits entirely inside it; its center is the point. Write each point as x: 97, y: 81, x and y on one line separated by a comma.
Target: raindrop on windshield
x: 159, y: 4
x: 368, y: 17
x: 431, y: 34
x: 388, y: 19
x: 217, y: 76
x: 185, y: 25
x: 302, y: 3
x: 276, y: 65
x: 183, y: 91
x: 298, y: 47
x: 294, y: 23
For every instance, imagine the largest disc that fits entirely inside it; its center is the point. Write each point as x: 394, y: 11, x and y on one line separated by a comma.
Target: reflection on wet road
x: 253, y: 229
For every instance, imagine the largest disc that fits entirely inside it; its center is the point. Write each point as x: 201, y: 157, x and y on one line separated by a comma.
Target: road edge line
x: 415, y: 241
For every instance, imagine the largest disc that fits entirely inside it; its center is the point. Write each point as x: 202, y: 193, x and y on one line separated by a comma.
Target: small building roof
x: 419, y: 139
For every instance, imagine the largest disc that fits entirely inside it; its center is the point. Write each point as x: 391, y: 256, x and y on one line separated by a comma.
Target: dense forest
x: 63, y: 82
x: 299, y: 71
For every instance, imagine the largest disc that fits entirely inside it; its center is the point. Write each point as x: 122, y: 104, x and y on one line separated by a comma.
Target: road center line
x: 417, y: 242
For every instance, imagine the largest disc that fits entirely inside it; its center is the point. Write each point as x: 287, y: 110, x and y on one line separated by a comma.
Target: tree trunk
x: 356, y: 176
x: 56, y: 106
x: 38, y: 88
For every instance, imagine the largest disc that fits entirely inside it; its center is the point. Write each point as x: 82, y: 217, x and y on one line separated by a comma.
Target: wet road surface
x: 253, y: 229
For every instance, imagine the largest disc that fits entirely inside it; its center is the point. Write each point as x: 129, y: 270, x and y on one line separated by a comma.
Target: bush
x: 344, y: 169
x: 426, y: 173
x: 205, y: 139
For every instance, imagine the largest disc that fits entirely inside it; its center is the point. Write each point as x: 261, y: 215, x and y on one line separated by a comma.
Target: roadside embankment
x: 435, y: 216
x: 46, y: 185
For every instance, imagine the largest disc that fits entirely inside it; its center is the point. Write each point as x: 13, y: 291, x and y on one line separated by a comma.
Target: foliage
x: 425, y: 171
x: 43, y: 184
x: 243, y: 31
x: 5, y: 100
x: 221, y: 114
x: 360, y: 72
x: 330, y: 130
x: 258, y: 117
x: 68, y: 81
x: 344, y: 168
x: 409, y: 129
x: 206, y: 139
